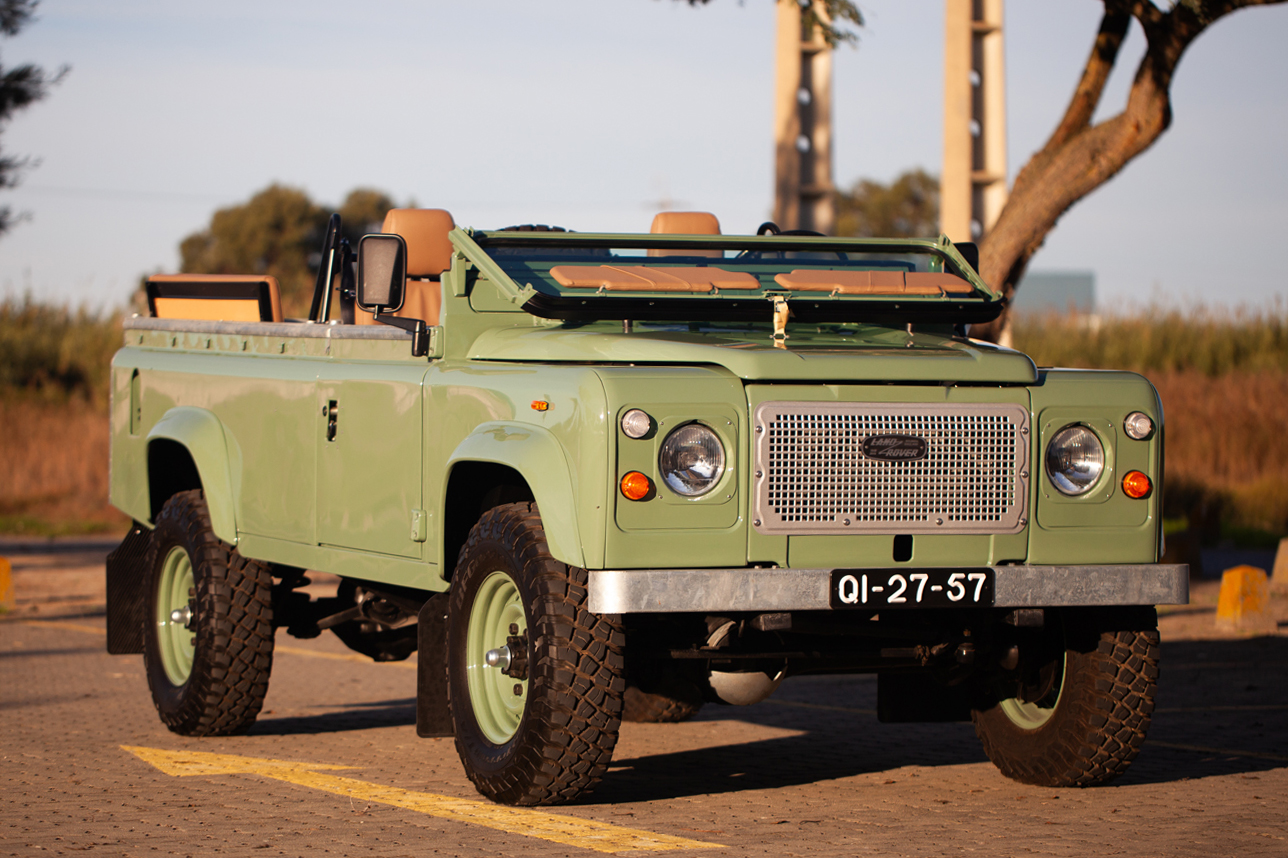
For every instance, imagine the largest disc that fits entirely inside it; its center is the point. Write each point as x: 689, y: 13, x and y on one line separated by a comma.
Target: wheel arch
x: 503, y: 463
x: 187, y: 450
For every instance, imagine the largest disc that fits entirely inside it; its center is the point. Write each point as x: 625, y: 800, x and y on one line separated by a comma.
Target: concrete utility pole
x: 972, y: 186
x: 803, y: 122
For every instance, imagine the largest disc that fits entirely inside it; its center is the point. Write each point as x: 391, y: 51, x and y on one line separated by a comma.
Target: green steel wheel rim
x: 175, y: 639
x: 497, y: 709
x: 1031, y: 715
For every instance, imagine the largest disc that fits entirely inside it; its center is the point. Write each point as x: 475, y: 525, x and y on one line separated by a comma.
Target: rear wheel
x: 534, y: 678
x: 208, y: 645
x: 1078, y: 717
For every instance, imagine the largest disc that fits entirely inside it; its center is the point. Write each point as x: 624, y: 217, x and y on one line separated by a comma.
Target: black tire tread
x: 1105, y: 727
x: 225, y: 692
x: 574, y: 709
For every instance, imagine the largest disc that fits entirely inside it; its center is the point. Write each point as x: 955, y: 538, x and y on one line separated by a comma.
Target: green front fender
x: 200, y: 433
x: 540, y: 459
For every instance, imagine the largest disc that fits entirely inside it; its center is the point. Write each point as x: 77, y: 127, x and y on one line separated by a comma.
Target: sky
x: 593, y: 115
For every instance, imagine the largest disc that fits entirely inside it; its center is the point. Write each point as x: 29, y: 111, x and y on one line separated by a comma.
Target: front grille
x: 812, y: 475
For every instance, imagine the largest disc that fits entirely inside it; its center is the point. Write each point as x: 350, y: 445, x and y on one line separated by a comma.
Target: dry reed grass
x: 1223, y: 379
x: 53, y: 472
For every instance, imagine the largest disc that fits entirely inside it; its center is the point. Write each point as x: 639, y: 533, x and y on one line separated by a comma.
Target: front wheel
x: 535, y: 680
x: 1078, y: 717
x: 208, y: 645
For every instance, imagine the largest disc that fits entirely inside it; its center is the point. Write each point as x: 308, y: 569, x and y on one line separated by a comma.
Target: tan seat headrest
x: 429, y: 251
x: 686, y: 223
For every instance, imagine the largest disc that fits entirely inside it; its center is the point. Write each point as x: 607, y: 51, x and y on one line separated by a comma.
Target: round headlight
x: 636, y: 424
x: 692, y: 460
x: 1075, y: 460
x: 1138, y: 426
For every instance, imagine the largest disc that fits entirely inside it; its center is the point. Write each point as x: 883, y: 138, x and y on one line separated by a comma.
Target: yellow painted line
x: 53, y: 624
x: 340, y: 656
x: 822, y: 706
x: 1225, y: 752
x: 566, y: 830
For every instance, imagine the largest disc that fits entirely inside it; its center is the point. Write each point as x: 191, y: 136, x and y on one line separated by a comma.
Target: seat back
x: 215, y: 297
x: 685, y: 223
x: 429, y: 254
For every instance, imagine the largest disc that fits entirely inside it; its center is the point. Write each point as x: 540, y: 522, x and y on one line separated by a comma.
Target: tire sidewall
x: 489, y: 760
x: 179, y: 705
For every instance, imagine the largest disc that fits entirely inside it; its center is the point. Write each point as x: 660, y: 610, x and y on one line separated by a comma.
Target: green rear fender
x: 200, y: 433
x: 540, y: 459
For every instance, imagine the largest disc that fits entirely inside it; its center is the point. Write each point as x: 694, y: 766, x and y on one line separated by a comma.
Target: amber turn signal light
x: 636, y: 486
x: 1137, y: 485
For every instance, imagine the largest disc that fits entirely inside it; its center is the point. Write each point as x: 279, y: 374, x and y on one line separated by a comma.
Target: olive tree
x: 1080, y: 155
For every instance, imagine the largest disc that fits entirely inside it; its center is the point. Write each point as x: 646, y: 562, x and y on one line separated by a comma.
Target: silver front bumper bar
x: 634, y: 591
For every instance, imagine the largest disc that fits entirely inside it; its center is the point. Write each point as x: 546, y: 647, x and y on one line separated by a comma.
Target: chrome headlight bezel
x: 1138, y: 426
x: 691, y: 460
x: 1075, y: 460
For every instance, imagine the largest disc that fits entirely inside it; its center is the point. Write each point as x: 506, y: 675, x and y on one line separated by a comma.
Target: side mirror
x: 970, y: 252
x: 382, y: 273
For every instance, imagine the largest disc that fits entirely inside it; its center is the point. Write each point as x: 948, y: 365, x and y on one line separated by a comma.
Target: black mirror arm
x: 419, y: 333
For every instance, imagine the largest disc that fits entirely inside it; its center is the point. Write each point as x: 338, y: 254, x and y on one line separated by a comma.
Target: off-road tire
x: 233, y: 626
x: 654, y: 708
x: 1106, y: 701
x: 568, y: 729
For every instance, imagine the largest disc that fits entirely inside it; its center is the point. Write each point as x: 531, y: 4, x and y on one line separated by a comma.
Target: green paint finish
x: 354, y: 489
x: 174, y: 635
x: 496, y: 615
x: 1103, y: 526
x: 201, y: 434
x: 540, y: 459
x: 370, y: 443
x: 866, y: 354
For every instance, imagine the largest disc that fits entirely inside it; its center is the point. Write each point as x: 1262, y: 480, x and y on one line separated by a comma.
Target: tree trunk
x: 1080, y: 157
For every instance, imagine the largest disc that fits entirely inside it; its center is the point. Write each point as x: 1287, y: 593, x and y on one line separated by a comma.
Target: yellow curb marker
x: 567, y: 830
x: 1244, y: 599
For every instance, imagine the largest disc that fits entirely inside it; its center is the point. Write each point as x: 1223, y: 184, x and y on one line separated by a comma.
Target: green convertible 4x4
x: 593, y: 477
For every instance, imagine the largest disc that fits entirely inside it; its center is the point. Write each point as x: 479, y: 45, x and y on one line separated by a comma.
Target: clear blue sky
x: 588, y: 114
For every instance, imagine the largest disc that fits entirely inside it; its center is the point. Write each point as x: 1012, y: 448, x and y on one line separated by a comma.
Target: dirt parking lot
x: 87, y: 766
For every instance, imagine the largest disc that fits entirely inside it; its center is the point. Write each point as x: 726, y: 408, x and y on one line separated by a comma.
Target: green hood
x: 873, y: 354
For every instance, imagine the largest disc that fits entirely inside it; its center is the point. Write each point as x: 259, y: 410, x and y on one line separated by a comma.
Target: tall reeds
x: 1223, y: 379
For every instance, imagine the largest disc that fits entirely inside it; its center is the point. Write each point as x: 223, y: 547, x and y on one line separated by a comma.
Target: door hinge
x: 419, y: 525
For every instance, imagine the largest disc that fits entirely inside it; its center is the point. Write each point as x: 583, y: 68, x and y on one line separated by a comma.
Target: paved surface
x: 810, y: 772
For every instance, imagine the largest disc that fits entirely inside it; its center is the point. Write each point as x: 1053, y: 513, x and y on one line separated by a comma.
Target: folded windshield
x: 576, y: 276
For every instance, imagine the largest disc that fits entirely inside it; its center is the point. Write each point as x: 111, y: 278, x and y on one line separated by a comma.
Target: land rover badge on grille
x: 894, y: 448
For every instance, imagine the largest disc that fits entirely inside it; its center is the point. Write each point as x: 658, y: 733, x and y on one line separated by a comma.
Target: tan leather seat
x: 429, y: 254
x: 685, y: 223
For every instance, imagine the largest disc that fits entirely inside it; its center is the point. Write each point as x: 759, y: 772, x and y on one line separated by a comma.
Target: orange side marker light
x: 1137, y: 485
x: 636, y: 486
x: 540, y: 405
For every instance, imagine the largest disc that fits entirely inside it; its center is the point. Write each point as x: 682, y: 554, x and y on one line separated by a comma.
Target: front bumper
x: 634, y: 591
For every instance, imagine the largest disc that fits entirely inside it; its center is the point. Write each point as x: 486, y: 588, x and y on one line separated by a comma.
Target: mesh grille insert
x: 969, y: 474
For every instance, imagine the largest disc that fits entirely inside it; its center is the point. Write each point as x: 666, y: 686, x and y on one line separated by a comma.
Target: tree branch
x: 1080, y: 157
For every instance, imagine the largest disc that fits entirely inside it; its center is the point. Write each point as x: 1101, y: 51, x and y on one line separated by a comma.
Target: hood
x: 871, y: 354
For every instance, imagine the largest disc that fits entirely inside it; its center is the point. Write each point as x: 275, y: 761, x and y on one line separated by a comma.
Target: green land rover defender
x: 591, y: 477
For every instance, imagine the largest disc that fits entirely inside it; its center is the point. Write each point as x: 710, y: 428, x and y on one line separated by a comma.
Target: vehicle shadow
x: 1222, y: 709
x: 349, y: 717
